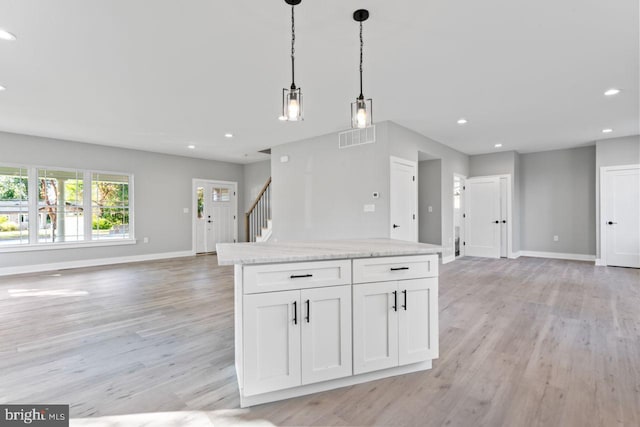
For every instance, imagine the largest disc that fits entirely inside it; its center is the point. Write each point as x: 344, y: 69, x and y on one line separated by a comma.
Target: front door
x: 215, y: 219
x: 482, y: 206
x: 621, y: 217
x: 402, y: 197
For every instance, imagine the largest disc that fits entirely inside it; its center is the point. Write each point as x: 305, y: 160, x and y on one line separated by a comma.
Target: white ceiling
x: 159, y: 75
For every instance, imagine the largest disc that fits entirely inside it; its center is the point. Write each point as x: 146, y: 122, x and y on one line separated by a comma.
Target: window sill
x: 66, y: 245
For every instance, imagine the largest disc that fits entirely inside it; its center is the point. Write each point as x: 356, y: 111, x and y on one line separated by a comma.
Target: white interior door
x: 402, y: 197
x: 375, y: 326
x: 326, y: 333
x: 272, y: 341
x: 418, y: 320
x: 504, y: 229
x: 482, y: 225
x: 215, y: 219
x: 621, y: 216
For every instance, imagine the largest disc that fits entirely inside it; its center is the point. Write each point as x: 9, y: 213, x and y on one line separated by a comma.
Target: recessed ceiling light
x: 607, y: 130
x: 191, y: 147
x: 498, y: 145
x: 6, y: 35
x: 228, y: 135
x: 462, y: 121
x: 612, y: 92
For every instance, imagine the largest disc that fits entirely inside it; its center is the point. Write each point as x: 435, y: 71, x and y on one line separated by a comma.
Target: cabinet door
x: 375, y: 326
x: 326, y: 333
x: 271, y: 341
x: 418, y: 320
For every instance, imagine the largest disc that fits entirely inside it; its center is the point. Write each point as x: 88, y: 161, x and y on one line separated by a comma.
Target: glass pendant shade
x: 292, y: 104
x: 361, y: 113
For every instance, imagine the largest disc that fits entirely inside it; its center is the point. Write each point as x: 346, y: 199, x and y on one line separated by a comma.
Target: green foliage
x: 9, y: 226
x: 102, y: 224
x: 12, y: 188
x: 4, y: 218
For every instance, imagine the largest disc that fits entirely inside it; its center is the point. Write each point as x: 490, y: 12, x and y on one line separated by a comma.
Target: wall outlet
x: 145, y: 240
x: 430, y: 209
x: 555, y: 238
x: 369, y: 208
x: 284, y: 159
x: 185, y: 210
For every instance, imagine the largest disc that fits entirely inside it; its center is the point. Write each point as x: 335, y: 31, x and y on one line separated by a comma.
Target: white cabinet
x: 296, y: 337
x: 326, y: 333
x: 271, y: 341
x: 394, y: 323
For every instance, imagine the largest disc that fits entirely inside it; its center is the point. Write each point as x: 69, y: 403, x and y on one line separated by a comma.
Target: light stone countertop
x: 315, y: 250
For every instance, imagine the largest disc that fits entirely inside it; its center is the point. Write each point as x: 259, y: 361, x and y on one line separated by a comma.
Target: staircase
x: 257, y: 221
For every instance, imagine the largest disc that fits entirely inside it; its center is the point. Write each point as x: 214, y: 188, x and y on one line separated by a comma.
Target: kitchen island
x: 312, y: 316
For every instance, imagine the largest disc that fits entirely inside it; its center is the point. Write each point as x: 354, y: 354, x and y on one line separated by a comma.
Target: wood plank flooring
x: 527, y: 342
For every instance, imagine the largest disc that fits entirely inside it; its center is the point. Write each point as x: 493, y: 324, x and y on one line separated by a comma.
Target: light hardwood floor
x: 522, y: 342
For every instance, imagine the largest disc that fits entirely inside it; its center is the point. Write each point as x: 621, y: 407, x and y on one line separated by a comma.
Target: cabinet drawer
x: 366, y: 270
x: 296, y: 275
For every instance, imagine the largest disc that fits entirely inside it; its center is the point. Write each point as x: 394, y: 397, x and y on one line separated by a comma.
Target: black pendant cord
x: 293, y: 49
x: 361, y: 47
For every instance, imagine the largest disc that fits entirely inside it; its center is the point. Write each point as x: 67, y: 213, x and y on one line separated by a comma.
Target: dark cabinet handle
x: 497, y: 222
x: 611, y: 222
x: 504, y: 221
x: 295, y: 312
x: 399, y: 268
x: 300, y: 276
x: 405, y: 300
x: 308, y: 311
x: 395, y: 300
x: 396, y: 226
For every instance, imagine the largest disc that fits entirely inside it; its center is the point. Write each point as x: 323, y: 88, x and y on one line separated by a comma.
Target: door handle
x: 497, y: 222
x: 209, y: 221
x: 308, y: 312
x: 396, y: 226
x: 504, y: 221
x: 395, y: 301
x: 405, y: 300
x: 611, y: 222
x: 295, y: 312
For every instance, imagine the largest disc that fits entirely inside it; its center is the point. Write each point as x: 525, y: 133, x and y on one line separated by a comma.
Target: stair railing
x: 258, y: 216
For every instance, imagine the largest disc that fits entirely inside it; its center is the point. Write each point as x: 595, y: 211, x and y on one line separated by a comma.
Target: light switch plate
x: 284, y: 159
x: 369, y: 208
x: 185, y: 210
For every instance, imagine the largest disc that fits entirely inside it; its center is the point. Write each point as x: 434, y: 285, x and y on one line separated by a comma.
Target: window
x: 109, y: 206
x: 49, y: 206
x: 200, y: 202
x: 221, y: 195
x: 60, y: 206
x: 14, y: 206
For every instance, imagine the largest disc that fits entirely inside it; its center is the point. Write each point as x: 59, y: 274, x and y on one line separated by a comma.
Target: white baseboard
x: 448, y: 259
x: 558, y: 255
x: 37, y: 268
x: 600, y: 262
x: 515, y: 255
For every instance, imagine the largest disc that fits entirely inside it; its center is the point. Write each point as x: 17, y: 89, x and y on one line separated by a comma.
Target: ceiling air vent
x: 351, y: 138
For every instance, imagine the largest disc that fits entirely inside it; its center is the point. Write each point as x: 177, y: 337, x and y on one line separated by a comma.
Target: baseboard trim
x: 600, y: 262
x: 448, y: 259
x: 558, y: 255
x: 38, y: 268
x: 515, y: 255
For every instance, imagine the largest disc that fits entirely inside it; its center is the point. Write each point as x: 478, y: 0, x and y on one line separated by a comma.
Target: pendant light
x: 292, y: 97
x: 362, y: 109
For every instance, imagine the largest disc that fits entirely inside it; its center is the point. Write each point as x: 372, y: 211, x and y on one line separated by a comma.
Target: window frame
x: 88, y: 241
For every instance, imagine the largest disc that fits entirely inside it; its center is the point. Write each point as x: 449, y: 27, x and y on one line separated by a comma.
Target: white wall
x: 162, y: 188
x: 613, y: 152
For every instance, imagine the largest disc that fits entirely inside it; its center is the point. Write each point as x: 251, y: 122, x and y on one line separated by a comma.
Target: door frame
x: 463, y: 179
x: 414, y: 165
x: 603, y: 208
x: 509, y: 209
x: 194, y: 207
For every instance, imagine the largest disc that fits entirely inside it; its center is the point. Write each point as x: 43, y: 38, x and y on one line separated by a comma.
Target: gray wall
x: 320, y: 192
x: 613, y: 152
x: 255, y: 176
x: 430, y: 194
x: 162, y: 188
x: 557, y: 196
x: 502, y: 163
